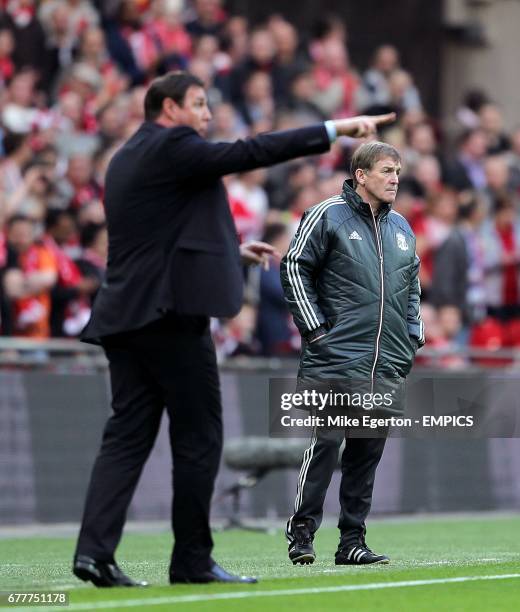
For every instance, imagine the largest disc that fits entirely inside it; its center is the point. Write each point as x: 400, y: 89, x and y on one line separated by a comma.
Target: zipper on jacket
x: 379, y: 244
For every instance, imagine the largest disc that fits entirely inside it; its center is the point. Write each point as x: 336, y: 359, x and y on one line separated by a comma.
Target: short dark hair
x: 273, y: 231
x: 368, y: 154
x: 13, y: 141
x: 173, y: 85
x: 18, y: 218
x: 55, y: 215
x: 467, y: 134
x: 89, y: 234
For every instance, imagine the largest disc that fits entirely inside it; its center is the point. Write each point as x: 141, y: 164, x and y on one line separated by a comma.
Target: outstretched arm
x: 194, y: 158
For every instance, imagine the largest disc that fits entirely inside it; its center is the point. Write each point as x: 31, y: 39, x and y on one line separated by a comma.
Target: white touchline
x: 159, y: 601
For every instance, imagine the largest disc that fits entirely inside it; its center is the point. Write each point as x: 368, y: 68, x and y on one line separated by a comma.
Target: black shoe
x: 300, y: 544
x: 102, y: 573
x: 358, y: 554
x: 215, y: 574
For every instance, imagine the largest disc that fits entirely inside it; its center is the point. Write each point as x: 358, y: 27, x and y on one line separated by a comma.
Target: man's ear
x: 360, y: 176
x: 170, y: 108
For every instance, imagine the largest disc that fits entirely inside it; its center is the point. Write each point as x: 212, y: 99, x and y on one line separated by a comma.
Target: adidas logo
x: 355, y: 236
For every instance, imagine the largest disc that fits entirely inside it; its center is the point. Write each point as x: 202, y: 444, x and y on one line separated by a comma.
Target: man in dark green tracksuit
x: 351, y: 282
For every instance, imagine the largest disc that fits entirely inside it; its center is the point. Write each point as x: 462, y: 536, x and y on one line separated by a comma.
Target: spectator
x: 468, y: 113
x: 209, y: 18
x: 403, y: 95
x: 497, y: 180
x: 207, y: 49
x: 93, y: 52
x: 513, y: 159
x: 466, y: 171
x: 258, y: 103
x: 29, y: 37
x: 326, y: 28
x: 70, y: 294
x: 78, y: 187
x: 302, y: 199
x: 302, y: 93
x: 206, y: 71
x: 142, y: 44
x: 420, y: 141
x: 458, y: 274
x: 93, y: 261
x: 173, y: 43
x: 227, y: 126
x: 274, y: 330
x: 112, y: 120
x: 136, y: 105
x: 284, y: 180
x: 247, y: 188
x: 71, y: 126
x: 31, y: 197
x: 427, y: 173
x: 492, y: 123
x: 62, y: 42
x: 18, y: 152
x: 235, y: 337
x: 289, y: 56
x: 117, y: 41
x: 336, y: 83
x: 261, y: 58
x: 81, y: 15
x: 442, y: 212
x: 374, y: 93
x: 31, y: 273
x: 6, y: 51
x: 436, y: 338
x: 19, y: 113
x: 501, y: 252
x: 235, y: 38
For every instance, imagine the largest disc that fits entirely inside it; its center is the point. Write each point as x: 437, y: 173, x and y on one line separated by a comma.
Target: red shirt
x: 510, y: 291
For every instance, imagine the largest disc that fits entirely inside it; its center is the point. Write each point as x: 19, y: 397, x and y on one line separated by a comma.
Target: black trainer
x: 358, y: 554
x: 300, y: 544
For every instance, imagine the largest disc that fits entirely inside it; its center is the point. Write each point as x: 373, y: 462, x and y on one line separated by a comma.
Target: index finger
x: 263, y: 247
x: 381, y: 119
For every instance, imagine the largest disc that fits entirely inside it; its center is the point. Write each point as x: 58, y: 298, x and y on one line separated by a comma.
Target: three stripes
x: 293, y: 272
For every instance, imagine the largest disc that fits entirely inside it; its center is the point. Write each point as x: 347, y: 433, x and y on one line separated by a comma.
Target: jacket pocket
x: 203, y: 278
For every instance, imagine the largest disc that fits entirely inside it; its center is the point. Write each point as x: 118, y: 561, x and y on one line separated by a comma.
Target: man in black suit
x: 174, y: 261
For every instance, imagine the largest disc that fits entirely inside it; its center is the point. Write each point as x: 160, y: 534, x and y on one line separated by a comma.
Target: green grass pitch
x: 455, y: 564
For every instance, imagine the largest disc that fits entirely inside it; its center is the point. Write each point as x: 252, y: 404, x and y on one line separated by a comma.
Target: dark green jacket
x: 354, y: 278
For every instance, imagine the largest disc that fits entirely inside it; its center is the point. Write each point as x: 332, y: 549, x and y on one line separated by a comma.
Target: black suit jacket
x: 172, y: 240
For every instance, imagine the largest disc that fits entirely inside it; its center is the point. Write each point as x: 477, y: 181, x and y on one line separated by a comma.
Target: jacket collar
x: 354, y: 200
x: 151, y: 125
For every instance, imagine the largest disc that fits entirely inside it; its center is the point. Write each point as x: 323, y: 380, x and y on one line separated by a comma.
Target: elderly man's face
x: 381, y: 181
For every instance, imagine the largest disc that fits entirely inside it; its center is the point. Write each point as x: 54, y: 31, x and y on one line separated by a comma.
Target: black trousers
x: 358, y: 469
x: 170, y: 363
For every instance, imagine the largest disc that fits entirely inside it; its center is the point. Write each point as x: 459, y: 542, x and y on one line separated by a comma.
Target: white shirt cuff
x: 331, y: 130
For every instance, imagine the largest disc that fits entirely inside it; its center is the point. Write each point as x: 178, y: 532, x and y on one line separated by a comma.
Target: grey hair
x: 368, y: 154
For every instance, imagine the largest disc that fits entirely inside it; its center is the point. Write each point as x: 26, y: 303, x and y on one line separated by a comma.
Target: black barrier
x: 52, y: 411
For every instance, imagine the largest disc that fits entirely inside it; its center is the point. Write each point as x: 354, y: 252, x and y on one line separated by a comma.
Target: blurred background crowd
x: 73, y: 74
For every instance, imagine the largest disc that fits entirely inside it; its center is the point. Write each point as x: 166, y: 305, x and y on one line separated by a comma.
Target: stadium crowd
x: 73, y: 74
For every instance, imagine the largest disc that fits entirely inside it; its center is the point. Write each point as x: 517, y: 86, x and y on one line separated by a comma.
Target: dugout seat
x: 257, y: 456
